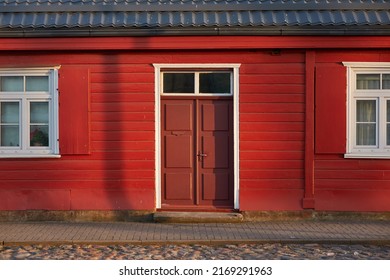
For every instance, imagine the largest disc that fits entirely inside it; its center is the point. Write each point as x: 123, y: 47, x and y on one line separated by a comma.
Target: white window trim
x: 36, y: 152
x: 381, y: 150
x: 235, y: 92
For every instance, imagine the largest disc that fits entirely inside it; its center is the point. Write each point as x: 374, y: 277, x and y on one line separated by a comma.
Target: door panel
x: 215, y: 138
x: 179, y: 151
x: 180, y: 186
x: 197, y: 153
x: 214, y: 186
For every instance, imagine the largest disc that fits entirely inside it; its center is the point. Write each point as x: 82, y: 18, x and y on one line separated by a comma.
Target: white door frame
x: 157, y: 76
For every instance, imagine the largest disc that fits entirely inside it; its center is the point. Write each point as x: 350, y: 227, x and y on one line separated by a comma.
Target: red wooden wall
x: 344, y: 184
x: 108, y: 161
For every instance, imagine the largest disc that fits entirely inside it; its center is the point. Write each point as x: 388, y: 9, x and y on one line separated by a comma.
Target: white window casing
x: 29, y: 121
x: 234, y: 92
x: 368, y: 93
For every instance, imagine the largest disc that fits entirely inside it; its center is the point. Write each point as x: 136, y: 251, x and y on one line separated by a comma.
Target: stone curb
x: 377, y: 242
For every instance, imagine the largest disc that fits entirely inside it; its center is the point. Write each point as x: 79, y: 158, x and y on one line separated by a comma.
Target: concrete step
x: 197, y: 217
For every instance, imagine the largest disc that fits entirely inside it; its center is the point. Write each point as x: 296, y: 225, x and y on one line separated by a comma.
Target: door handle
x: 201, y: 155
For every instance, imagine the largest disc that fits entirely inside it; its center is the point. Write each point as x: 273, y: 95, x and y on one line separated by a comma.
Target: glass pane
x: 386, y: 81
x: 9, y: 112
x: 388, y: 110
x: 214, y: 83
x: 37, y: 83
x: 366, y: 111
x: 179, y: 83
x: 39, y: 135
x: 388, y: 134
x: 9, y: 135
x: 39, y: 112
x: 368, y: 81
x: 365, y: 134
x: 11, y: 83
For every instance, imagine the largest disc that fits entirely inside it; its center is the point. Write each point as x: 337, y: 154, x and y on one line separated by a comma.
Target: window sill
x: 28, y: 156
x: 368, y: 156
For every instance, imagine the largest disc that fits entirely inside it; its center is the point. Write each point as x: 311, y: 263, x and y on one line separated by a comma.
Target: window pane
x: 37, y: 83
x: 388, y: 122
x: 39, y: 135
x: 39, y: 112
x: 366, y: 111
x: 386, y: 81
x: 368, y: 81
x: 366, y: 134
x: 9, y: 123
x: 9, y: 135
x: 366, y: 122
x: 214, y: 83
x: 11, y: 83
x: 10, y: 112
x: 179, y: 83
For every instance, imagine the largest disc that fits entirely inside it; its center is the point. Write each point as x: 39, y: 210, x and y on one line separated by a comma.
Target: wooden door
x: 197, y: 153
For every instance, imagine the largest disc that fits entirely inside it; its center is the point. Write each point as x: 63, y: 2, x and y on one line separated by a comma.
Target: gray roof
x: 185, y: 17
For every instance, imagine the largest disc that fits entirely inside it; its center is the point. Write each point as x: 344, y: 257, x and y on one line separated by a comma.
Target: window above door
x: 191, y: 79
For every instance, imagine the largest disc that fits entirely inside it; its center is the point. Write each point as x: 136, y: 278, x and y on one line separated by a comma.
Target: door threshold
x: 197, y: 217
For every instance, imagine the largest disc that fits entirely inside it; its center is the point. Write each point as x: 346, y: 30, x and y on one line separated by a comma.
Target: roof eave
x: 198, y: 31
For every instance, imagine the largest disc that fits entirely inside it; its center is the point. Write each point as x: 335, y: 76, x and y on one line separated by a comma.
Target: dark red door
x: 197, y: 153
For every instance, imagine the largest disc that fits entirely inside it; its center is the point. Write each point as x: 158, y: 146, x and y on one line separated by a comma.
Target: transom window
x: 28, y: 112
x: 369, y: 111
x: 216, y: 82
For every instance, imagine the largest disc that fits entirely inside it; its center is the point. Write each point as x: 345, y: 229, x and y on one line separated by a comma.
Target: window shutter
x: 74, y: 110
x: 330, y: 112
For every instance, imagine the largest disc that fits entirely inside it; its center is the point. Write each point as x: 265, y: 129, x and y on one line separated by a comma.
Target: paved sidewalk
x: 338, y: 232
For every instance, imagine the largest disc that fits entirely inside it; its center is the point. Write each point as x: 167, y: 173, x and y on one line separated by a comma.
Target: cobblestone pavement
x: 271, y: 251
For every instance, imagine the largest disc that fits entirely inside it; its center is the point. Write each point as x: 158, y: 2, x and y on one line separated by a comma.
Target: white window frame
x: 381, y: 149
x: 234, y: 68
x: 24, y: 150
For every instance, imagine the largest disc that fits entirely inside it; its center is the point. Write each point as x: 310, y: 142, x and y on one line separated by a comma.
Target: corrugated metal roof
x: 188, y: 16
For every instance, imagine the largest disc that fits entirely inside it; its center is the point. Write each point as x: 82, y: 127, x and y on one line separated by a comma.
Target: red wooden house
x: 249, y: 105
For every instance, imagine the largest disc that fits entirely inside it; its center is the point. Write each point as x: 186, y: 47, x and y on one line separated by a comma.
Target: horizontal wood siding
x: 272, y: 116
x: 118, y: 172
x: 350, y: 184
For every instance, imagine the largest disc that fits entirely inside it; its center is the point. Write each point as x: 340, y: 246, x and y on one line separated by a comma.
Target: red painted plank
x: 272, y: 117
x: 276, y: 79
x: 271, y: 98
x: 39, y: 199
x: 274, y: 184
x: 272, y: 108
x: 352, y: 184
x: 272, y: 174
x: 271, y: 155
x: 123, y: 107
x: 271, y: 164
x: 113, y: 199
x: 270, y: 200
x: 271, y: 136
x: 78, y: 175
x: 273, y: 126
x: 136, y: 125
x: 273, y: 145
x: 353, y: 200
